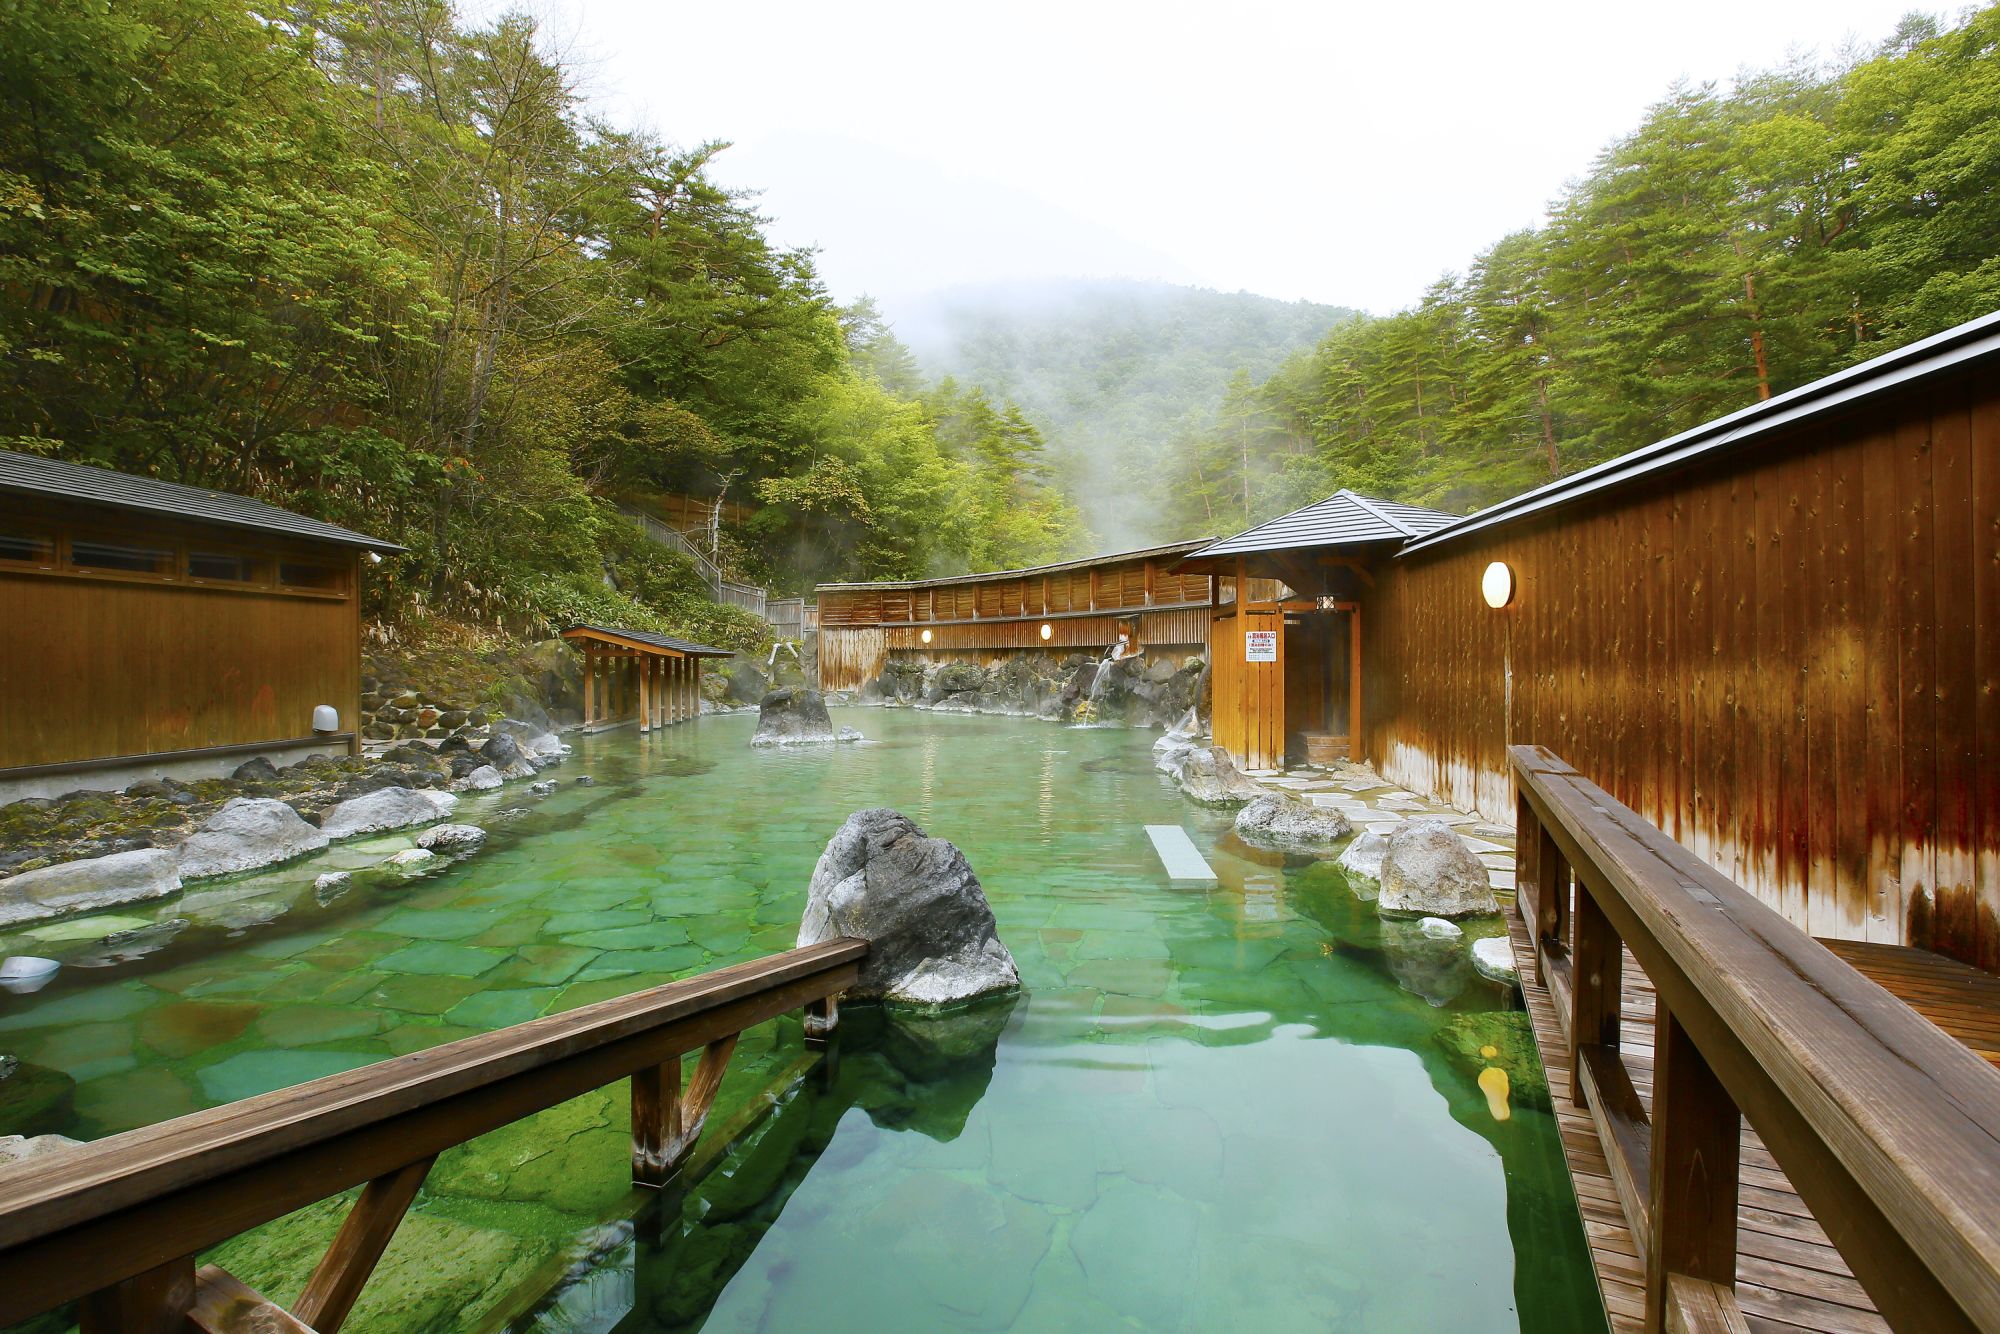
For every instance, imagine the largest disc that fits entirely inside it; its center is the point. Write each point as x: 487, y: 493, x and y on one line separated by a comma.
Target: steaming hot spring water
x: 1239, y: 1105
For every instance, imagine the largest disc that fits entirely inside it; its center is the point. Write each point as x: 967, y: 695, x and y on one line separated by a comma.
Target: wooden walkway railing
x: 117, y: 1223
x: 1888, y: 1128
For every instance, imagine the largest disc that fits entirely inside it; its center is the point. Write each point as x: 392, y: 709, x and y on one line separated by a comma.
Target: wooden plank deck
x: 1789, y: 1276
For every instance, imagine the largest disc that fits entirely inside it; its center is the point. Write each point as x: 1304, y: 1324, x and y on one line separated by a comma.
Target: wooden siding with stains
x: 93, y: 667
x: 1788, y: 659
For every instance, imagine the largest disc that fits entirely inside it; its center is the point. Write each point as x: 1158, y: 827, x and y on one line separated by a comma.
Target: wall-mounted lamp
x: 374, y: 558
x: 1048, y: 631
x: 926, y: 636
x: 1497, y: 584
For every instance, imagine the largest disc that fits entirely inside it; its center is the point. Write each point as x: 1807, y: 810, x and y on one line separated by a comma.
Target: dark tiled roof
x: 687, y: 646
x: 1968, y: 342
x: 29, y: 474
x: 1344, y: 518
x: 1169, y: 549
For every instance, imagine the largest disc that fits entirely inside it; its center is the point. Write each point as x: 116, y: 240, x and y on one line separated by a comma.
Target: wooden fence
x: 1888, y: 1128
x: 116, y: 1224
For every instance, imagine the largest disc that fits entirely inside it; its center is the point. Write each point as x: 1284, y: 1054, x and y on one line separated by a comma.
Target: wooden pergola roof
x: 644, y: 641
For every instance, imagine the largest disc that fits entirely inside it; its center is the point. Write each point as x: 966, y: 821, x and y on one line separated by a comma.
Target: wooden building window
x: 223, y: 567
x: 22, y: 547
x: 122, y: 557
x: 318, y: 578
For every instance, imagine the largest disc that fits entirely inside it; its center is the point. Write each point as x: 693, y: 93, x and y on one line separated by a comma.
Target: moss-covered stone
x: 34, y: 1099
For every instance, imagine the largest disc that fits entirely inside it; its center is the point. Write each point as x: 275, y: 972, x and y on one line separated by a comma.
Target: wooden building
x: 636, y: 676
x: 1076, y: 605
x: 1291, y: 686
x: 149, y: 628
x: 1776, y: 636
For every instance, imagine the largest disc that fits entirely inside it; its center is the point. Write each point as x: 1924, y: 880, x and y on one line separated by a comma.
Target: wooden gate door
x: 1247, y: 653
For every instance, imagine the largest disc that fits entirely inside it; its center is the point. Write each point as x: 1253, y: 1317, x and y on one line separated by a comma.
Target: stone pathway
x: 1371, y: 801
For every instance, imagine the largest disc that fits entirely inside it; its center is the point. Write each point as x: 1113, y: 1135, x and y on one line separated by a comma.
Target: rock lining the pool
x: 932, y: 938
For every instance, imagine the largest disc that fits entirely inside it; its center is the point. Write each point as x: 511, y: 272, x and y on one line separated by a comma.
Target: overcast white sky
x: 1343, y: 153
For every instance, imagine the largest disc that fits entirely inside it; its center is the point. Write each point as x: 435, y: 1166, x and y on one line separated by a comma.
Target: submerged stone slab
x: 1178, y: 853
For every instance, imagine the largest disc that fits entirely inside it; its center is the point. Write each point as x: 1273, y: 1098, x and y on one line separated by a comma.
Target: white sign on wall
x: 1260, y: 646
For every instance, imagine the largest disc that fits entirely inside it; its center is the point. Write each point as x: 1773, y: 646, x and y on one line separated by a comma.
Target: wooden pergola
x: 635, y: 674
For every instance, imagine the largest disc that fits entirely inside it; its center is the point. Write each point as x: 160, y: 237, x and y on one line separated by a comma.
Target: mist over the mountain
x: 1112, y: 371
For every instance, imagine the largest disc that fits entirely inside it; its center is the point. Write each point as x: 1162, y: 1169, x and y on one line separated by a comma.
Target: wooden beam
x: 335, y: 1284
x: 1355, y: 750
x: 156, y: 1301
x: 225, y: 1304
x: 645, y: 695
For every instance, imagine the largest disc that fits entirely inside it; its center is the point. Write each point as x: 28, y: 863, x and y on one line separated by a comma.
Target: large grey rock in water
x: 446, y: 839
x: 248, y: 832
x: 793, y: 716
x: 1273, y: 821
x: 1493, y: 958
x: 95, y: 882
x: 388, y: 808
x: 1361, y: 864
x: 915, y: 899
x: 1210, y: 777
x: 1428, y: 871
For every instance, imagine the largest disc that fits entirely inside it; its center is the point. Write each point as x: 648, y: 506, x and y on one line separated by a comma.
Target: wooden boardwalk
x: 1789, y: 1276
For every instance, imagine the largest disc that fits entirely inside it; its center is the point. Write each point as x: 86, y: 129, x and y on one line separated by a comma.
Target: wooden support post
x: 646, y: 689
x: 694, y: 688
x: 1597, y: 966
x: 666, y: 1121
x: 1550, y: 870
x: 155, y: 1302
x: 589, y: 669
x: 331, y: 1291
x: 1697, y: 1135
x: 822, y: 1018
x: 1354, y: 686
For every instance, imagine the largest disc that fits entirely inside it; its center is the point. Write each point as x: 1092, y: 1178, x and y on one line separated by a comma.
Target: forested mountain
x: 1739, y: 243
x: 1113, y: 372
x: 376, y: 263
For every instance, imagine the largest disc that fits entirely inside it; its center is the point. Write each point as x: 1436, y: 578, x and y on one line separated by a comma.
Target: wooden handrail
x: 1888, y: 1128
x: 125, y: 1214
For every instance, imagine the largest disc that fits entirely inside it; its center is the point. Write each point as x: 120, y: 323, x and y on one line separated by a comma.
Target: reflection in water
x: 1251, y: 1104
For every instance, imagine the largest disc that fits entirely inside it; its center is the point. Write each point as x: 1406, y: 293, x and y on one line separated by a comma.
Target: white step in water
x: 1178, y: 853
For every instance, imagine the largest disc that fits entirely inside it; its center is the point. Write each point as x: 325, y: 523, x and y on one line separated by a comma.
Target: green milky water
x: 1250, y: 1105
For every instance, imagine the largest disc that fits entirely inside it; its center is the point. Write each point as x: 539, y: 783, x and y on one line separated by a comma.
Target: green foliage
x: 1738, y: 244
x: 373, y: 262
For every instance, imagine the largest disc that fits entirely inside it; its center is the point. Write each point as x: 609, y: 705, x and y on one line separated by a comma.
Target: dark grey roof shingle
x: 686, y: 646
x: 29, y: 474
x: 1342, y: 519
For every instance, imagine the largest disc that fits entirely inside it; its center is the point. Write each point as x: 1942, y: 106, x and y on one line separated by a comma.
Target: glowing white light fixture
x: 1048, y: 631
x: 926, y: 636
x: 1497, y: 584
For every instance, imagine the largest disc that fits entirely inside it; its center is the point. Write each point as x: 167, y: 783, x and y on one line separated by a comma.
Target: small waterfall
x: 1086, y: 709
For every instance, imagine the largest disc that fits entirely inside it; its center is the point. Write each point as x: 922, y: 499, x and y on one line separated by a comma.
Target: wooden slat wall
x: 860, y: 627
x: 1789, y: 660
x: 91, y: 668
